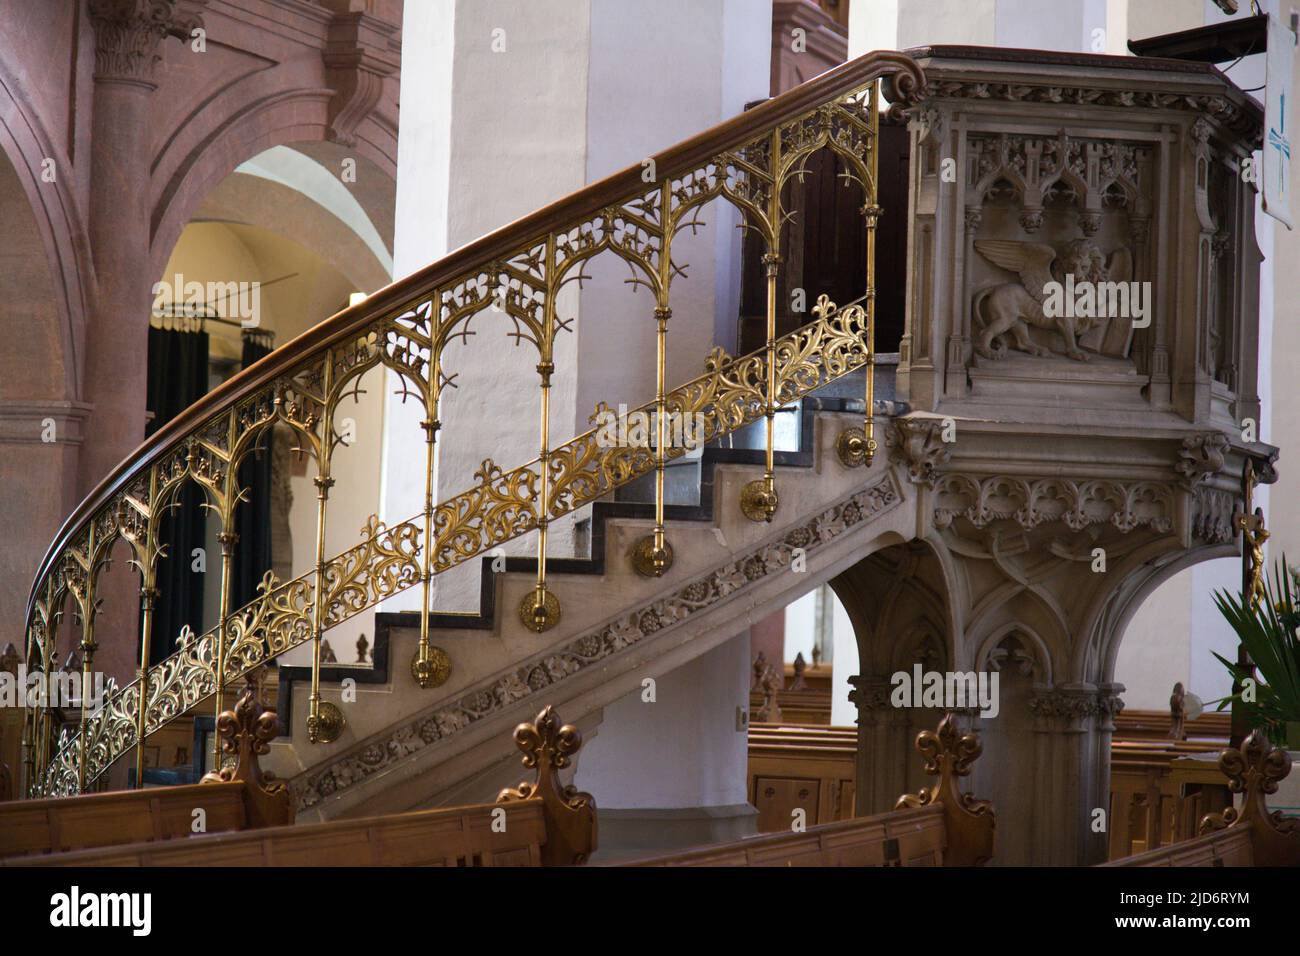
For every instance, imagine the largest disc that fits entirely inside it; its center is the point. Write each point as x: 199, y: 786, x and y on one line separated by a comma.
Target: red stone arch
x: 216, y: 145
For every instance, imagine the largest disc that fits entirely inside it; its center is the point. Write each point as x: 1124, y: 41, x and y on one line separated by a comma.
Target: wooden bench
x: 1157, y: 725
x: 1148, y: 805
x: 538, y: 823
x: 236, y: 798
x: 1250, y: 836
x: 812, y: 768
x: 939, y: 826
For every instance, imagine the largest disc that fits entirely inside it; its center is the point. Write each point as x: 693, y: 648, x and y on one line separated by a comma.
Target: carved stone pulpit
x: 1122, y: 174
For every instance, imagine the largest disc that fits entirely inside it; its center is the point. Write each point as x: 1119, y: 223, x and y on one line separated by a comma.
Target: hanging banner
x: 1276, y: 171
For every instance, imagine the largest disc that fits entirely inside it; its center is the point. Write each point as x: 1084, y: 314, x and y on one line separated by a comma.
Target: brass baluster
x: 41, y: 733
x: 148, y: 596
x: 431, y: 665
x: 758, y: 499
x: 540, y: 608
x: 857, y: 446
x: 652, y: 555
x: 29, y: 719
x: 88, y: 648
x: 324, y: 721
x: 227, y: 501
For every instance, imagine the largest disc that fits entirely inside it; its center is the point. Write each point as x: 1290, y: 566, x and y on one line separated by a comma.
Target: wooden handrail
x: 900, y: 70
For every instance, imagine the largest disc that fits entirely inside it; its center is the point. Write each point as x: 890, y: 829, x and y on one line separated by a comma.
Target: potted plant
x: 1269, y: 632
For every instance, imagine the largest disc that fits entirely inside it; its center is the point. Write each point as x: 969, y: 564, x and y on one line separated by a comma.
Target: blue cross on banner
x: 1279, y: 63
x: 1277, y: 140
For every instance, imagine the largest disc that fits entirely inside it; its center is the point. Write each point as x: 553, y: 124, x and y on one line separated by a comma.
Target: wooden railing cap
x: 969, y: 822
x: 548, y: 746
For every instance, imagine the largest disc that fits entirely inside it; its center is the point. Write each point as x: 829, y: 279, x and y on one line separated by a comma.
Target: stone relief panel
x: 1054, y: 224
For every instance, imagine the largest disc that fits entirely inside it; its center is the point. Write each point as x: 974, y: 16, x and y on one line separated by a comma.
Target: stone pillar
x: 128, y: 41
x: 581, y: 90
x: 672, y: 772
x: 888, y: 764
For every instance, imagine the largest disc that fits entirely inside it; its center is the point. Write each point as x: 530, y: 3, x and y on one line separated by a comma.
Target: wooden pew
x: 1251, y: 836
x: 1148, y: 805
x: 1156, y: 725
x: 236, y: 798
x: 939, y: 826
x: 793, y: 766
x: 538, y: 823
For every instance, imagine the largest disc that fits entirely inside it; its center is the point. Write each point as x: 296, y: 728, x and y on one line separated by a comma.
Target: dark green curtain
x: 253, y: 517
x: 178, y: 377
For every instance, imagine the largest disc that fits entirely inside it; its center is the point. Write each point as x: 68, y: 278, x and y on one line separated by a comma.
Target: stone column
x: 128, y: 41
x: 887, y: 762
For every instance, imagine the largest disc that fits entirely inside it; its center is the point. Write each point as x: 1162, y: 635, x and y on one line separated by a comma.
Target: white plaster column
x: 507, y: 107
x: 672, y: 772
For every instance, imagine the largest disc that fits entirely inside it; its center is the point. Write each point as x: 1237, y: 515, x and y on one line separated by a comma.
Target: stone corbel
x: 919, y: 444
x: 1201, y: 457
x: 358, y: 58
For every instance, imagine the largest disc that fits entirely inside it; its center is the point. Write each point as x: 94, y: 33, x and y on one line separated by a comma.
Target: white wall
x: 681, y: 751
x: 800, y: 619
x: 581, y: 90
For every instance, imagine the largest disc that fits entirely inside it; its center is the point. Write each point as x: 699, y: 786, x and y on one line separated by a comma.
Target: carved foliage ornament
x: 128, y: 34
x: 1030, y: 503
x: 1238, y: 117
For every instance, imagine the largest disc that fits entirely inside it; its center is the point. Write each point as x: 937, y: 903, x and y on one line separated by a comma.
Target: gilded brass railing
x: 405, y: 329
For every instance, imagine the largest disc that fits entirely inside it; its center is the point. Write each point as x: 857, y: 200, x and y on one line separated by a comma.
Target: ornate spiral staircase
x: 405, y: 329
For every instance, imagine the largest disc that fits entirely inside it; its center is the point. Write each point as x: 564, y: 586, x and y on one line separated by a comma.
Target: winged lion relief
x: 1074, y: 292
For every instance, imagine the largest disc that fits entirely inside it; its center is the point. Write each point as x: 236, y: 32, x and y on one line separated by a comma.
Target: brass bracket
x: 758, y: 501
x: 853, y: 449
x: 432, y: 672
x: 647, y: 561
x: 539, y: 610
x: 327, y: 725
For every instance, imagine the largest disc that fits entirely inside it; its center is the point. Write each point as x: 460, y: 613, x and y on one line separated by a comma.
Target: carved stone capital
x: 869, y: 694
x: 129, y: 33
x: 918, y: 443
x: 1031, y: 220
x: 1201, y: 456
